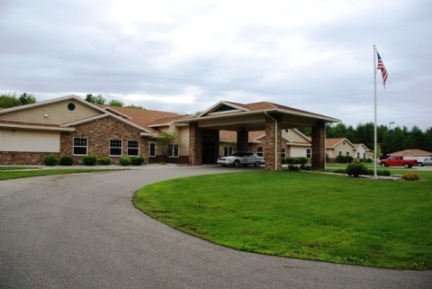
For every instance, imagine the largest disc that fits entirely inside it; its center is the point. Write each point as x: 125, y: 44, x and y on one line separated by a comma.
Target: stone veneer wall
x: 318, y: 146
x: 271, y: 145
x: 22, y: 158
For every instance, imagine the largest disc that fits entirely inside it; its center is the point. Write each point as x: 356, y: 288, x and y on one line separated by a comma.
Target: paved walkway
x: 82, y: 231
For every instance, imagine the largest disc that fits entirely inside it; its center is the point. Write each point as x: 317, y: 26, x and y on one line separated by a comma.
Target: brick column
x: 273, y: 144
x: 195, y: 149
x: 318, y: 146
x: 242, y: 139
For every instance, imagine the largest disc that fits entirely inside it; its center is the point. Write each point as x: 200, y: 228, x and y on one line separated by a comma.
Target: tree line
x: 390, y: 140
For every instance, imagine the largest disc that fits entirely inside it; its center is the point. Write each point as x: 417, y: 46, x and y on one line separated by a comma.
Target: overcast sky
x: 185, y: 56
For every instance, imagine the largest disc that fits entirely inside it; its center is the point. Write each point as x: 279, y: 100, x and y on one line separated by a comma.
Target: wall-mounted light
x: 45, y: 115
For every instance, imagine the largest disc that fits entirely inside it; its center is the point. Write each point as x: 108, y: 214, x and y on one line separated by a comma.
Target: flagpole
x: 375, y: 112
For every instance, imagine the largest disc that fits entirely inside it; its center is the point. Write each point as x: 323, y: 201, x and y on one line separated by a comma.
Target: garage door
x: 29, y: 141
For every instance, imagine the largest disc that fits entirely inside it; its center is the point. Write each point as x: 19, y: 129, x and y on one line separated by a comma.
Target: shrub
x: 356, y: 169
x: 90, y: 160
x: 66, y: 161
x: 137, y: 161
x: 344, y: 159
x: 50, y: 160
x: 410, y: 177
x: 105, y: 161
x: 297, y: 161
x: 125, y: 161
x: 385, y: 173
x: 293, y: 168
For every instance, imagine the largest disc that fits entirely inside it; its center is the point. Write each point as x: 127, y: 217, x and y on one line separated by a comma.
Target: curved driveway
x: 82, y: 231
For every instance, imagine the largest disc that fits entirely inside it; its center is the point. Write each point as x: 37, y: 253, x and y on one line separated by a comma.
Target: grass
x: 302, y: 215
x: 15, y: 173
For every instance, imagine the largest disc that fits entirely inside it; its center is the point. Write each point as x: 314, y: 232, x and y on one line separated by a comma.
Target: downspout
x: 276, y: 144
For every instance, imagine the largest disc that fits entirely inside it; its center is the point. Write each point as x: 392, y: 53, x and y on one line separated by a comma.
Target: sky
x: 186, y: 56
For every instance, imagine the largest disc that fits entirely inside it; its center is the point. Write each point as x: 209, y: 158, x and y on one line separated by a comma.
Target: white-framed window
x: 228, y: 151
x: 80, y: 146
x: 283, y: 153
x: 308, y: 153
x: 133, y: 148
x: 347, y: 153
x: 173, y: 150
x: 340, y: 153
x: 260, y: 152
x: 358, y: 155
x: 152, y: 149
x: 115, y: 149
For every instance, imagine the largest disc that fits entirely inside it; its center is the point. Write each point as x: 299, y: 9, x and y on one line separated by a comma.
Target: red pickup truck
x: 397, y: 161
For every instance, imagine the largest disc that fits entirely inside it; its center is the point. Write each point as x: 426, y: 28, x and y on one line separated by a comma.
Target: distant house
x: 413, y: 154
x: 361, y: 151
x: 339, y: 147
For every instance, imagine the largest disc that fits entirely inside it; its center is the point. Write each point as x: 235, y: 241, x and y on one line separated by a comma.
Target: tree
x: 135, y: 106
x: 116, y: 102
x: 99, y: 99
x: 8, y: 100
x: 27, y: 99
x: 164, y: 140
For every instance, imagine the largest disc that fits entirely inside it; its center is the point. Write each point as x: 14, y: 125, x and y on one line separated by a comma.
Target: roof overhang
x: 255, y: 120
x: 37, y: 127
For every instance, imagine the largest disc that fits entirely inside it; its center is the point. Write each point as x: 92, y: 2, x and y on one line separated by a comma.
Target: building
x: 71, y: 126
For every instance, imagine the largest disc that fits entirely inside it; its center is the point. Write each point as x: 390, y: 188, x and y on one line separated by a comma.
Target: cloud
x: 186, y: 56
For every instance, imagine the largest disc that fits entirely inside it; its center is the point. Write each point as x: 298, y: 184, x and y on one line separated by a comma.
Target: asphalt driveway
x: 82, y: 231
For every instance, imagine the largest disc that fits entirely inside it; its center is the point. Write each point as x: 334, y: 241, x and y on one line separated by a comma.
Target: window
x: 115, y: 147
x: 283, y: 153
x: 228, y: 151
x: 340, y: 153
x: 79, y: 146
x: 347, y: 153
x: 173, y: 150
x: 308, y: 153
x: 260, y: 152
x: 358, y: 155
x: 133, y: 148
x: 152, y: 149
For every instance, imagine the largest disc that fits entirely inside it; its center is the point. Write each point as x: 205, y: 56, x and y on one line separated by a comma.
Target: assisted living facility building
x: 70, y: 126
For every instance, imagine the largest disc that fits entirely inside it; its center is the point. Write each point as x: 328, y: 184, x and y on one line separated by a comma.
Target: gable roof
x: 143, y: 117
x: 332, y: 143
x: 50, y: 101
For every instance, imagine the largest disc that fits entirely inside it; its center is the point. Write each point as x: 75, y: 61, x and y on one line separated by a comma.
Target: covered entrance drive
x: 243, y: 118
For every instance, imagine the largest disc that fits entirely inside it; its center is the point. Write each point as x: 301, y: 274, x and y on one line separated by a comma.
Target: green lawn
x: 302, y: 215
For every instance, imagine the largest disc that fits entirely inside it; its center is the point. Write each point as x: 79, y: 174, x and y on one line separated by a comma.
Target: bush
x: 89, y: 160
x: 293, y: 168
x: 356, y: 169
x: 50, y: 160
x: 297, y: 161
x: 66, y: 161
x: 137, y: 161
x: 125, y: 161
x: 344, y: 159
x: 384, y: 173
x: 105, y: 161
x: 410, y: 177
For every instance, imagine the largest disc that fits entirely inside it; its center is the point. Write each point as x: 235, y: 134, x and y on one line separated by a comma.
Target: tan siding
x: 54, y: 113
x: 28, y: 141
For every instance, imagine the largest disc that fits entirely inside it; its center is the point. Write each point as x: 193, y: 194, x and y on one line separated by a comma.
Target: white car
x: 424, y: 162
x: 241, y: 159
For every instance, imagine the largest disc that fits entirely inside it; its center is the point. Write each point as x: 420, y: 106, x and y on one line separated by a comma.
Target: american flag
x: 381, y: 67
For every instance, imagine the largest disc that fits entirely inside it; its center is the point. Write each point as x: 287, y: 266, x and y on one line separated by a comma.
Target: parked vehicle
x: 424, y: 162
x: 241, y: 159
x: 398, y: 161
